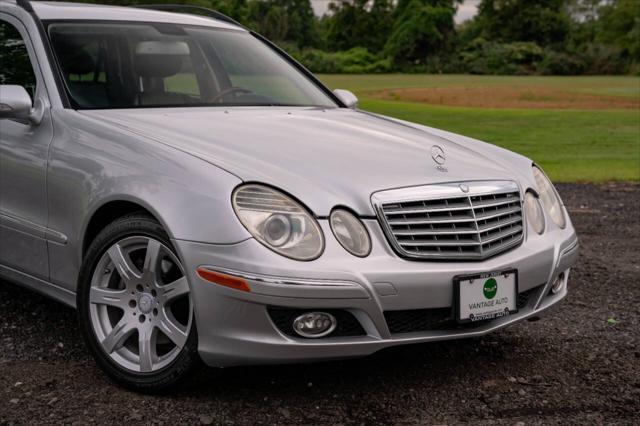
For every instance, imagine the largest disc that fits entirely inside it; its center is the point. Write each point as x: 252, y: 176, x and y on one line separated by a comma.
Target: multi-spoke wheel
x: 135, y: 306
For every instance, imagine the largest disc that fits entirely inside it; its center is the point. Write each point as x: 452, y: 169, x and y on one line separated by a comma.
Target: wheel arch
x: 111, y: 210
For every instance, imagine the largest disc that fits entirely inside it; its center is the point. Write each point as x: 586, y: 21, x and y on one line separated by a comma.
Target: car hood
x: 324, y: 158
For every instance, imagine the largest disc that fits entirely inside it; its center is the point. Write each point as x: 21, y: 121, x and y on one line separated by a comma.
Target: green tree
x: 422, y: 28
x: 619, y: 24
x: 302, y: 22
x: 358, y: 23
x: 285, y: 20
x: 236, y: 9
x: 545, y: 22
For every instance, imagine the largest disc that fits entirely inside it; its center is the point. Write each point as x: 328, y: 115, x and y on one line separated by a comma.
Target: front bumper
x: 234, y: 327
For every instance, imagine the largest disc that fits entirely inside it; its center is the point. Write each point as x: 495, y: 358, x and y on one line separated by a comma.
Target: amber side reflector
x: 223, y: 279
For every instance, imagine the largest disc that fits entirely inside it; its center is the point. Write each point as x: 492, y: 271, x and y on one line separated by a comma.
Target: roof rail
x: 188, y: 9
x: 25, y: 4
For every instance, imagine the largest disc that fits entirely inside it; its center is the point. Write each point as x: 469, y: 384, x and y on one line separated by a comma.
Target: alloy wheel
x: 139, y: 303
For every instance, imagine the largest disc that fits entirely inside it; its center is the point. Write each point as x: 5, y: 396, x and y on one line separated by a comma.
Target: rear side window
x: 15, y: 66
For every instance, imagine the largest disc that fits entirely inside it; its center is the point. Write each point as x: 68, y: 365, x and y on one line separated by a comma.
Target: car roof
x: 85, y: 11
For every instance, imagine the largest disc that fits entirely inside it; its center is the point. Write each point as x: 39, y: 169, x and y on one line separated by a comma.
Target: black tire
x: 187, y: 361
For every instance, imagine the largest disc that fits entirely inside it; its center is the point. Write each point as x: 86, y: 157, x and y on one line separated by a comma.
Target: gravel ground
x: 580, y: 364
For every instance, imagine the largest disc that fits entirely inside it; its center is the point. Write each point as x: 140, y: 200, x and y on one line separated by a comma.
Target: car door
x: 23, y: 160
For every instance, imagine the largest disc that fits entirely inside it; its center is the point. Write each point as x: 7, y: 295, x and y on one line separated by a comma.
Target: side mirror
x: 347, y: 98
x: 15, y: 103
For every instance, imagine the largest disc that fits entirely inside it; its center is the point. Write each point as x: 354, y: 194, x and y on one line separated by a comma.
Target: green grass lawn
x: 571, y: 145
x: 603, y: 85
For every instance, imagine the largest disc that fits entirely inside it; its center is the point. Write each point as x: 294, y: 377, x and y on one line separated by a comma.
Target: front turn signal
x: 224, y: 280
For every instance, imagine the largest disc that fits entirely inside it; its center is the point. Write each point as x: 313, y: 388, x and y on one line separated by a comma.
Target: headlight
x: 350, y: 233
x: 549, y: 197
x: 535, y: 215
x: 278, y: 222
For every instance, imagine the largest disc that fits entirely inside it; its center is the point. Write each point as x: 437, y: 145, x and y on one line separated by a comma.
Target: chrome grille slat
x: 498, y: 213
x: 439, y: 244
x: 428, y: 210
x: 436, y: 232
x: 429, y: 221
x: 496, y: 204
x: 436, y: 222
x: 503, y: 234
x: 500, y: 224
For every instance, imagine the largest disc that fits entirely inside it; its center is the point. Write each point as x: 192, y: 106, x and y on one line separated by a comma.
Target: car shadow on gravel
x: 404, y: 366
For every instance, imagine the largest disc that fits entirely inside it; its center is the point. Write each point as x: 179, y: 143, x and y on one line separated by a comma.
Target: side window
x: 16, y: 67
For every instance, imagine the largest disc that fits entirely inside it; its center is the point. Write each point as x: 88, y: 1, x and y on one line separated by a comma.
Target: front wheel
x: 135, y: 307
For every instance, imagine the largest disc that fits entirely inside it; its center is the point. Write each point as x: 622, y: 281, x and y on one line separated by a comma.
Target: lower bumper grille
x: 416, y: 320
x: 347, y: 325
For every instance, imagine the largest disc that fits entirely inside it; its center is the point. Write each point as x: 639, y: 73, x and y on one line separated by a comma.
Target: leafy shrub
x: 559, y: 63
x: 602, y: 59
x: 634, y: 68
x: 486, y: 57
x: 353, y: 61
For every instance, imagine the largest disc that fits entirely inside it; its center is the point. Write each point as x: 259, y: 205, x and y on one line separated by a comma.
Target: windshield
x: 123, y: 65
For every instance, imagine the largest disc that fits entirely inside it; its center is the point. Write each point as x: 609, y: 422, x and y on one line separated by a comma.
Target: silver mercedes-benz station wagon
x: 199, y: 196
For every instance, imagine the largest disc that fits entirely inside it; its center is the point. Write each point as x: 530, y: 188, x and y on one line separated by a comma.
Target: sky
x: 465, y: 11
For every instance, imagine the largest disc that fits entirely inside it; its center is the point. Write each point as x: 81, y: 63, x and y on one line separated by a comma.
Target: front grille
x: 416, y: 320
x: 481, y: 223
x: 347, y: 325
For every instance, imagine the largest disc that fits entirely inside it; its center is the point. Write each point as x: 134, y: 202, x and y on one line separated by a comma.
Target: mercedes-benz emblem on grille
x: 464, y: 188
x: 437, y: 153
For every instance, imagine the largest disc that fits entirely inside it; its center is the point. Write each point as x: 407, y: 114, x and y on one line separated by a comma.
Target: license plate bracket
x: 485, y: 296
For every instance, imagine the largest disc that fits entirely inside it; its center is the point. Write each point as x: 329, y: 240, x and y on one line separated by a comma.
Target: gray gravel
x: 580, y: 364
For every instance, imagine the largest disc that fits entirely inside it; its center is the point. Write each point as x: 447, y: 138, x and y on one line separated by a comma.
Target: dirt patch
x: 508, y: 97
x: 579, y: 365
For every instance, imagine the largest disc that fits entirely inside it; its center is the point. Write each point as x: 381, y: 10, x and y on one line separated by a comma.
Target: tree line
x: 560, y: 37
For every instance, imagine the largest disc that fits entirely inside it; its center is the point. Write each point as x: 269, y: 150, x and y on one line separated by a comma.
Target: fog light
x: 558, y: 284
x: 314, y: 324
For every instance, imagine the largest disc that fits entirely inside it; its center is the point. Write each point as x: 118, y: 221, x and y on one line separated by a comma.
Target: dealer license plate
x: 486, y: 296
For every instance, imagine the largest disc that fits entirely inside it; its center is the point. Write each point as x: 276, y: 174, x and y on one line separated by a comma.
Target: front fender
x: 92, y: 164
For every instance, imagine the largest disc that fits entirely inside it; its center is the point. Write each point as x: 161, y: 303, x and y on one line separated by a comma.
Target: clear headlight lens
x: 533, y: 210
x: 549, y: 197
x: 350, y: 233
x: 278, y: 222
